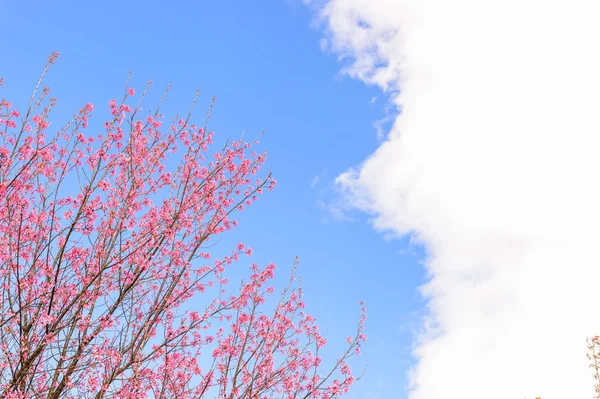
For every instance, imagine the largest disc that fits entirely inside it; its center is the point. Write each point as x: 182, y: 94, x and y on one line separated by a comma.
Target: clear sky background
x: 437, y: 159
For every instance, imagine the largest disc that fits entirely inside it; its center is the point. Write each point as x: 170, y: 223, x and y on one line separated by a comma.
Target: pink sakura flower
x: 139, y: 228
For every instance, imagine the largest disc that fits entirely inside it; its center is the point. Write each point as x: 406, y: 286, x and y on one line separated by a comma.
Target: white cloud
x: 335, y: 211
x: 381, y: 125
x: 493, y: 164
x: 314, y: 181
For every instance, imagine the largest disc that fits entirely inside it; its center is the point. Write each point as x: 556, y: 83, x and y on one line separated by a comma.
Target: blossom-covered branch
x: 103, y: 246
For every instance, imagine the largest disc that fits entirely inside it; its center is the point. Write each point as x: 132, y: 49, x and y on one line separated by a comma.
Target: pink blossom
x: 105, y: 241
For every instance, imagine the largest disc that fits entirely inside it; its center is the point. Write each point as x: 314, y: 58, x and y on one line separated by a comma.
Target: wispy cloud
x: 382, y: 125
x: 493, y: 166
x: 318, y: 179
x: 335, y: 211
x: 314, y: 181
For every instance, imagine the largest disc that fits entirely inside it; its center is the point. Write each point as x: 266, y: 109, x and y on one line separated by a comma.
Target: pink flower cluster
x: 103, y: 246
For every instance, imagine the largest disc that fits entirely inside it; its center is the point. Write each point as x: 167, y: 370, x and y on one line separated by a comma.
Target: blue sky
x: 492, y: 164
x: 264, y: 63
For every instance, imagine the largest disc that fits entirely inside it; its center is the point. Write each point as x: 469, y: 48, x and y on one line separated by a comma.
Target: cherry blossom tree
x: 593, y: 355
x: 108, y: 287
